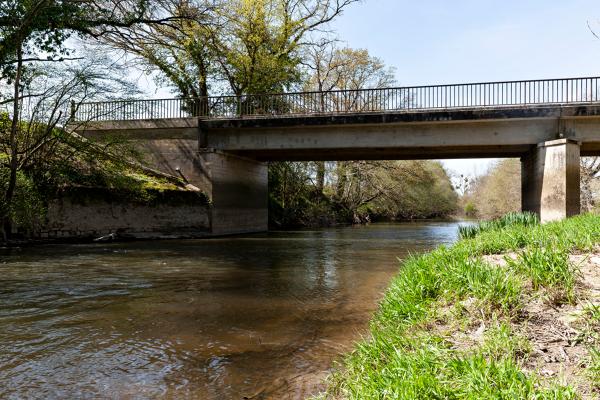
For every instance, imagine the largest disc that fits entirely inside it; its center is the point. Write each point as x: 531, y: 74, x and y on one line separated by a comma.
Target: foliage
x: 589, y: 172
x: 357, y: 191
x: 28, y: 207
x: 39, y: 29
x: 411, y: 355
x: 332, y: 68
x: 469, y: 209
x: 498, y: 192
x: 237, y: 46
x: 415, y: 189
x: 513, y: 218
x: 292, y: 197
x: 34, y: 33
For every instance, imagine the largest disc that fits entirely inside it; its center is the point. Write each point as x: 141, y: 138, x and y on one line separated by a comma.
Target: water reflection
x: 259, y: 316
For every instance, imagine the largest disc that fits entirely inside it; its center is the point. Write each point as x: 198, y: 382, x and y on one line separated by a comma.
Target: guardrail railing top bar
x: 407, y: 98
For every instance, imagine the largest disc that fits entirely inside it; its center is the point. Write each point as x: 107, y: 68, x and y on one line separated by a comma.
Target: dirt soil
x: 561, y: 335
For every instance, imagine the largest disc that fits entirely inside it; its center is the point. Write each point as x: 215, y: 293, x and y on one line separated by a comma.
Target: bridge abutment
x: 236, y: 186
x: 550, y: 180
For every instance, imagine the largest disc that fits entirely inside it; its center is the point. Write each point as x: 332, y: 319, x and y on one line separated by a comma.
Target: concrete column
x: 238, y: 188
x: 550, y: 180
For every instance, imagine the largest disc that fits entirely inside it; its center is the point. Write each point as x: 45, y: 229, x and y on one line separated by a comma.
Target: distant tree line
x: 358, y: 192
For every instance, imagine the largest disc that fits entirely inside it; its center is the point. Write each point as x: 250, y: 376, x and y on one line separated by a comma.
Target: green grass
x: 590, y: 334
x: 410, y: 355
x: 547, y: 266
x: 510, y: 219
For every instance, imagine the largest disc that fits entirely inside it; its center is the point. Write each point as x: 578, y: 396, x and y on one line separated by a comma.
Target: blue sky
x: 435, y: 41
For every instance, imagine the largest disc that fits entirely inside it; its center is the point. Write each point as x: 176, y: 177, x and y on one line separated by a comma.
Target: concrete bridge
x: 222, y: 144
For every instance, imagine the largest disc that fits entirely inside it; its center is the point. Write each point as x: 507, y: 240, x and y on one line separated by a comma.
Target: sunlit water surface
x: 261, y: 316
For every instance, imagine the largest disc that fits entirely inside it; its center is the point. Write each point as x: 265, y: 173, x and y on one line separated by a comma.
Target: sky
x: 440, y: 41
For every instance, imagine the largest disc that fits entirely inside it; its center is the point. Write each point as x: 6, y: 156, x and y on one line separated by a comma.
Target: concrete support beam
x: 550, y: 180
x: 238, y: 188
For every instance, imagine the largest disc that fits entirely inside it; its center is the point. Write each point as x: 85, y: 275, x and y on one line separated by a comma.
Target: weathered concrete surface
x: 147, y: 128
x: 238, y: 188
x: 175, y: 156
x: 499, y: 132
x: 96, y: 212
x: 468, y: 133
x: 550, y: 180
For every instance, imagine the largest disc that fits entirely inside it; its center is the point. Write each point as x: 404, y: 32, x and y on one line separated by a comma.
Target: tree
x: 179, y: 50
x: 34, y: 32
x: 351, y: 70
x: 237, y: 46
x: 590, y: 172
x: 332, y: 68
x: 498, y: 192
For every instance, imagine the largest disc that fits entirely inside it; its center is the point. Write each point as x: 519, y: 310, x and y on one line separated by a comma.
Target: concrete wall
x: 97, y: 212
x: 236, y: 186
x: 550, y: 180
x: 175, y: 156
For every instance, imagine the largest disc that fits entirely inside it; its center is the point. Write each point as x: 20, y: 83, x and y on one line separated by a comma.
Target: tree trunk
x: 341, y: 179
x: 13, y: 160
x: 320, y: 176
x: 203, y: 86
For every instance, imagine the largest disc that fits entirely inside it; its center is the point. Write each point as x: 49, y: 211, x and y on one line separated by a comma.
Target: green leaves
x: 42, y: 27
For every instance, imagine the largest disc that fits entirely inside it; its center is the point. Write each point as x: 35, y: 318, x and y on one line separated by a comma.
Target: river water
x: 259, y: 316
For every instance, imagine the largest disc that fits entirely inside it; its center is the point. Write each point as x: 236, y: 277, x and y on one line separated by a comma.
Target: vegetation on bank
x: 510, y: 219
x: 475, y: 320
x: 318, y: 193
x: 69, y: 164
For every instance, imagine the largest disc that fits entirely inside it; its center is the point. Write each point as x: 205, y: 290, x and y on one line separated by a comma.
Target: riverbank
x: 513, y: 312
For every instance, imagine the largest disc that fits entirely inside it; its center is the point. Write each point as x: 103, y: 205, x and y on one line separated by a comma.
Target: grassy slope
x: 416, y: 351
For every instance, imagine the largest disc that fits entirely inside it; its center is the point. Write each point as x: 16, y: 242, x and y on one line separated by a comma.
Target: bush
x: 27, y: 209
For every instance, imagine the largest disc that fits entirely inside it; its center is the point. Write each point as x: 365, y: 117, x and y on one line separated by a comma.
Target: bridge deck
x: 458, y: 133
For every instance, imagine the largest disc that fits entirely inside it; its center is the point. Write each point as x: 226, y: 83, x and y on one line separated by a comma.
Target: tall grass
x: 411, y: 356
x: 592, y: 337
x: 548, y: 266
x: 510, y: 219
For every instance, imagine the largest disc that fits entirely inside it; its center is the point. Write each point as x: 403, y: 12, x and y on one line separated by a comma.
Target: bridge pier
x: 238, y: 188
x: 550, y: 180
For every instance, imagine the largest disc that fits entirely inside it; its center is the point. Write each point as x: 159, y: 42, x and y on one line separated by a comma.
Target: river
x: 257, y: 316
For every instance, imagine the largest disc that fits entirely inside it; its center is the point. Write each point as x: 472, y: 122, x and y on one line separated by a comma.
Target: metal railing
x: 415, y: 98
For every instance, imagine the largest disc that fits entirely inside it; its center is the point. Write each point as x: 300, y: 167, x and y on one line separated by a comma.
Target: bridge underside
x: 228, y: 155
